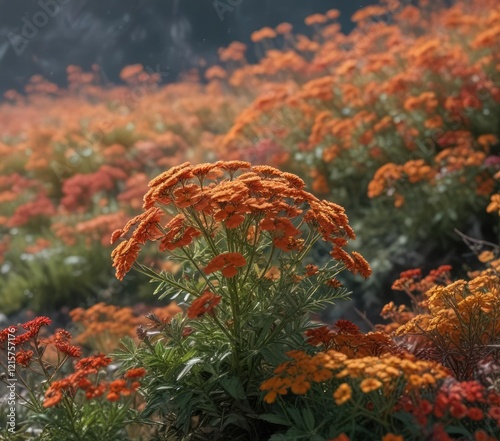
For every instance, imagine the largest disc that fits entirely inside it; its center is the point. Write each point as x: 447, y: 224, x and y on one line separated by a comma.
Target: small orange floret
x: 227, y: 263
x: 203, y: 304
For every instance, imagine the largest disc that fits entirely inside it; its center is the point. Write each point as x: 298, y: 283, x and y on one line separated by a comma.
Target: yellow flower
x: 486, y: 256
x: 428, y: 378
x: 415, y: 380
x: 342, y: 394
x: 494, y: 204
x: 369, y: 385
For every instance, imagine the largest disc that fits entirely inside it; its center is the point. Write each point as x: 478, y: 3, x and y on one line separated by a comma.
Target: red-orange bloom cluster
x: 233, y: 195
x: 81, y: 380
x: 33, y: 328
x: 135, y: 373
x: 78, y: 380
x: 412, y: 280
x: 348, y: 339
x: 60, y: 340
x: 23, y: 358
x: 5, y: 334
x: 226, y: 263
x: 206, y: 303
x: 466, y: 400
x: 178, y: 234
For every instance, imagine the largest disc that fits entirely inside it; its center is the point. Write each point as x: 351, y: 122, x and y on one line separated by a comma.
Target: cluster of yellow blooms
x: 369, y: 374
x: 458, y: 308
x: 460, y: 324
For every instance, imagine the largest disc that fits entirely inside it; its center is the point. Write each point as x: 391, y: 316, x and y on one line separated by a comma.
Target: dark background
x: 169, y: 35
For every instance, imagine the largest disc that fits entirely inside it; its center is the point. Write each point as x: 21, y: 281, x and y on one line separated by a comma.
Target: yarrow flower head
x: 232, y: 198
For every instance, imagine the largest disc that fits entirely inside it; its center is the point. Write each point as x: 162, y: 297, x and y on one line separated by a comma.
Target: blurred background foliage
x: 394, y: 114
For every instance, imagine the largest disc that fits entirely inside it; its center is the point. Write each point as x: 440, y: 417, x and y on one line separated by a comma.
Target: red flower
x: 458, y: 410
x: 311, y: 270
x: 187, y: 195
x: 227, y: 263
x: 494, y: 413
x: 347, y: 327
x: 33, y: 328
x: 135, y: 373
x: 61, y: 340
x: 4, y: 333
x: 203, y: 304
x: 93, y: 363
x: 475, y: 414
x: 23, y: 358
x: 322, y: 335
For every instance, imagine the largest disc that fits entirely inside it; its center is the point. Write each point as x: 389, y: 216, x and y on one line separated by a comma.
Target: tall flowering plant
x: 241, y: 234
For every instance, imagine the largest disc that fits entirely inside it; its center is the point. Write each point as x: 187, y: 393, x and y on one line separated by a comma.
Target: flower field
x: 301, y: 247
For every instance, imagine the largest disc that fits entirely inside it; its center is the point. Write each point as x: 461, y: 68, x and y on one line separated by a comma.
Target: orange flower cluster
x: 398, y: 316
x: 104, y: 322
x: 412, y: 281
x: 32, y: 328
x: 460, y: 323
x: 99, y: 228
x: 84, y: 378
x: 203, y: 305
x: 387, y: 177
x: 349, y: 340
x: 494, y: 205
x: 31, y: 339
x: 78, y: 380
x: 394, y: 101
x: 226, y: 263
x: 366, y: 373
x: 60, y: 340
x: 233, y: 196
x: 262, y: 34
x: 102, y: 326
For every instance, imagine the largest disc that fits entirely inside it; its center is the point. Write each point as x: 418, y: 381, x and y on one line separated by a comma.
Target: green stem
x: 193, y: 262
x: 252, y: 255
x: 158, y: 277
x: 208, y: 238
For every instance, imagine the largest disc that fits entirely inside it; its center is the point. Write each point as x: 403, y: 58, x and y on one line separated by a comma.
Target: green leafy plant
x: 50, y: 400
x: 241, y: 234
